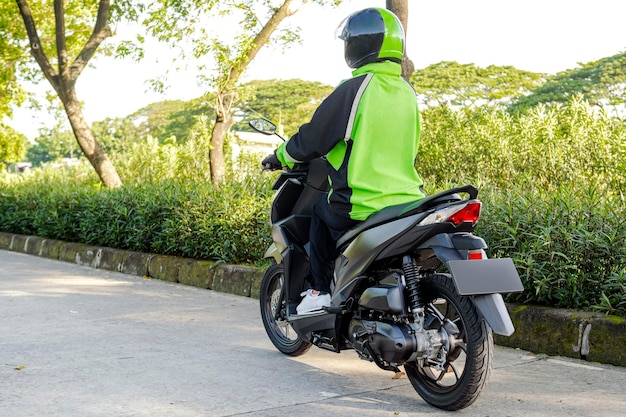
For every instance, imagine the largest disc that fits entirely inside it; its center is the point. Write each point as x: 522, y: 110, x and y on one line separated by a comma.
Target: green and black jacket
x: 368, y: 128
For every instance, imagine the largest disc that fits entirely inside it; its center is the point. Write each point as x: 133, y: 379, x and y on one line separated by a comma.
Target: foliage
x: 12, y: 145
x: 600, y: 82
x: 553, y: 145
x: 169, y: 217
x: 568, y: 243
x: 52, y: 145
x: 453, y: 84
x: 12, y: 57
x: 172, y: 118
x: 116, y: 135
x: 288, y: 103
x: 148, y: 160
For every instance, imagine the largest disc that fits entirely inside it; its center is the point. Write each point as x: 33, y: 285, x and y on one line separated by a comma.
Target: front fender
x: 273, y: 252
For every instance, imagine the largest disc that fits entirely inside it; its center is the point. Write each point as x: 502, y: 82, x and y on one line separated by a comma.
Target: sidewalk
x: 76, y: 341
x: 576, y: 334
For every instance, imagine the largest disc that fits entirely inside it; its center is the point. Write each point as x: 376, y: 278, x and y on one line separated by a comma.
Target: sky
x: 545, y: 36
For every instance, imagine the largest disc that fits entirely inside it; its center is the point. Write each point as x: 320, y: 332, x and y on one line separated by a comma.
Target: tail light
x: 476, y: 254
x: 469, y: 213
x: 457, y: 214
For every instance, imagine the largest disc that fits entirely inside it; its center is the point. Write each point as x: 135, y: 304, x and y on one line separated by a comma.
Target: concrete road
x: 80, y: 342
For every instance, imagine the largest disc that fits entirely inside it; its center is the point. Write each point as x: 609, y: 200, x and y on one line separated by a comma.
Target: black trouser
x: 326, y: 229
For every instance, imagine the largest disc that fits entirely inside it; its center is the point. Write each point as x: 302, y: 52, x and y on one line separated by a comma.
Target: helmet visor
x: 342, y: 30
x: 366, y: 22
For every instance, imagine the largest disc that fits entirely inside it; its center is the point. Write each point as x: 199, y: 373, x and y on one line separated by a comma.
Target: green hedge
x: 186, y: 219
x: 568, y: 244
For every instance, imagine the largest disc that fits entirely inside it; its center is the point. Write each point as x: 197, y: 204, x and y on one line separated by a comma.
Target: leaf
x: 398, y: 375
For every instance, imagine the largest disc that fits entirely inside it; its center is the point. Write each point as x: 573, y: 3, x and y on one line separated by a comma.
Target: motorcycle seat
x: 407, y: 209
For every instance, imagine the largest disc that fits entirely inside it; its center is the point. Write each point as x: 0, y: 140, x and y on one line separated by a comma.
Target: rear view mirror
x: 263, y: 126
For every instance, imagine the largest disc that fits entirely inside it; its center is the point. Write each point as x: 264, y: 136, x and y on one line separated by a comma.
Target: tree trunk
x: 401, y: 9
x: 223, y: 122
x: 87, y: 142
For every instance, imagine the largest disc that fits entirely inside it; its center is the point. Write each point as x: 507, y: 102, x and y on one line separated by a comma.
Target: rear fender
x: 474, y: 277
x: 448, y: 247
x: 481, y: 280
x: 493, y: 309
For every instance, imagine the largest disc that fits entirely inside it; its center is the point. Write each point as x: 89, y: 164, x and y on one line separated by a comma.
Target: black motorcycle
x: 413, y: 287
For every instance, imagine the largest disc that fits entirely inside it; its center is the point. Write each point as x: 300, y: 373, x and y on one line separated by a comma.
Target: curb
x: 233, y: 279
x: 577, y: 334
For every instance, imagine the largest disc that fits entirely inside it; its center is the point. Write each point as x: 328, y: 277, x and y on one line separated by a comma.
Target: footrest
x: 333, y: 309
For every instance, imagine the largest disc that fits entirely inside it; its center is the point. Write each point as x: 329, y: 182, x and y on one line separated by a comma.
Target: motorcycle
x: 413, y: 287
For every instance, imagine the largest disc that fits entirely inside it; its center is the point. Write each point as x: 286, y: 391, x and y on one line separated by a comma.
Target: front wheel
x: 468, y: 361
x: 273, y: 305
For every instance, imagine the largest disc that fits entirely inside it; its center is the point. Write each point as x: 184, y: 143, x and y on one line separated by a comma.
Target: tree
x: 286, y: 102
x: 11, y: 60
x: 451, y: 83
x: 12, y: 145
x: 401, y: 9
x: 51, y: 145
x: 73, y: 42
x: 258, y: 25
x: 600, y: 82
x: 172, y: 118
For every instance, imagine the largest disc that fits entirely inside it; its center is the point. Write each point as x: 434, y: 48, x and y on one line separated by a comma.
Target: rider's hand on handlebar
x: 271, y: 163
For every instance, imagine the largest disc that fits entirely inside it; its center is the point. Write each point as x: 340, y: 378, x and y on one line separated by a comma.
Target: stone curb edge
x: 577, y: 334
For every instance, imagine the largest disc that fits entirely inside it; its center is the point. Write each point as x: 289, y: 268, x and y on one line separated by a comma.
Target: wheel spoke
x: 440, y: 377
x: 436, y: 312
x: 455, y: 370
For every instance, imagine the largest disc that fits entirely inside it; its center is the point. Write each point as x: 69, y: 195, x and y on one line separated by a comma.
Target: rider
x: 368, y: 129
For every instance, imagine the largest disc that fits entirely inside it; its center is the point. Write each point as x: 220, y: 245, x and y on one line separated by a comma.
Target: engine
x: 392, y: 342
x: 381, y: 331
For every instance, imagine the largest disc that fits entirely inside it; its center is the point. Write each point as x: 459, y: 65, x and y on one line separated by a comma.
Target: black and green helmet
x: 371, y: 35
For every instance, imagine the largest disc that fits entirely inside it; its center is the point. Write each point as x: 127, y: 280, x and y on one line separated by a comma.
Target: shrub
x: 569, y: 244
x: 569, y: 144
x: 195, y: 220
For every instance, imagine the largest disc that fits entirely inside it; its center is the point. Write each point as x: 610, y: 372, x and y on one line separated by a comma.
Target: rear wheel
x: 466, y: 367
x: 273, y: 305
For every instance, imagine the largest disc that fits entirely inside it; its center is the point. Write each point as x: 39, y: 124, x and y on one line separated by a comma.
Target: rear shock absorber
x: 413, y: 287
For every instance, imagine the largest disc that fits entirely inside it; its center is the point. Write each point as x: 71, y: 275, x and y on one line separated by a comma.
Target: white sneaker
x: 311, y: 303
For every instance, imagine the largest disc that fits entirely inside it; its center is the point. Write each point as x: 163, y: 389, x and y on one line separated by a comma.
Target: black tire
x: 280, y: 332
x: 470, y: 358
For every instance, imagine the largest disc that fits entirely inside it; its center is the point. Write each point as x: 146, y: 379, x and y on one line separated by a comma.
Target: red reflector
x: 475, y: 255
x: 469, y: 213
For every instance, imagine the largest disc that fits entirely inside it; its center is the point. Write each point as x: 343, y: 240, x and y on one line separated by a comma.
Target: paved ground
x: 81, y: 342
